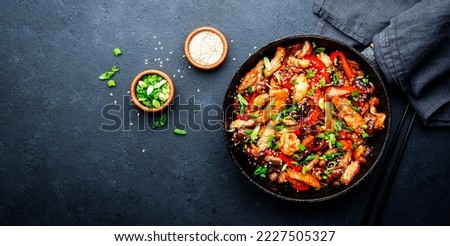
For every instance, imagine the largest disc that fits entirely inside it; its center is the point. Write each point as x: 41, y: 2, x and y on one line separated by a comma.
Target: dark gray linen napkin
x: 411, y: 45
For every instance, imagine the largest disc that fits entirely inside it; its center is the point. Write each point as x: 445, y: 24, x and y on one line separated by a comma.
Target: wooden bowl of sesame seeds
x: 206, y: 48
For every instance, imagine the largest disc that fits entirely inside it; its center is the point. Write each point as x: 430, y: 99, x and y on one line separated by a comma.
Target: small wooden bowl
x: 193, y: 61
x: 142, y: 106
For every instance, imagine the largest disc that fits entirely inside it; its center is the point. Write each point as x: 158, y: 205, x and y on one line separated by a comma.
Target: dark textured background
x: 58, y: 167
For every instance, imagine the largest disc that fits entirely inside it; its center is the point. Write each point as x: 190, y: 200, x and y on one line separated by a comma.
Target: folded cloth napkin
x: 411, y: 45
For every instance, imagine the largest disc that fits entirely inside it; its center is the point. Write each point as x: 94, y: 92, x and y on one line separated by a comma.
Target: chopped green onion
x: 322, y: 82
x: 365, y: 79
x: 241, y: 99
x: 267, y: 64
x: 310, y: 157
x: 313, y: 45
x: 254, y: 134
x: 329, y: 69
x: 310, y: 74
x: 321, y: 135
x: 311, y: 91
x: 320, y: 49
x: 364, y: 135
x: 274, y: 116
x: 364, y: 126
x: 301, y: 147
x: 106, y: 75
x: 336, y: 78
x: 111, y: 83
x: 142, y: 84
x: 304, y: 170
x: 250, y: 89
x: 179, y: 131
x: 278, y: 77
x: 261, y: 172
x: 269, y: 141
x: 156, y: 103
x: 248, y: 132
x: 339, y: 145
x: 117, y: 52
x: 355, y: 93
x: 149, y: 89
x: 255, y: 115
x: 339, y: 124
x: 279, y: 127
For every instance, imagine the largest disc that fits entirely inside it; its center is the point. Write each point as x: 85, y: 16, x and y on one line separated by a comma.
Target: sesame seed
x: 189, y: 67
x: 161, y: 47
x: 249, y: 54
x: 115, y: 102
x: 138, y: 114
x: 234, y: 59
x: 167, y: 59
x: 131, y: 124
x: 255, y: 47
x: 156, y: 59
x: 198, y: 90
x: 159, y: 43
x: 154, y: 36
x: 128, y: 92
x: 160, y: 65
x: 159, y: 58
x: 110, y: 94
x: 179, y: 70
x: 174, y: 75
x: 231, y: 41
x: 143, y: 150
x: 184, y: 55
x: 171, y: 52
x: 156, y: 48
x: 181, y: 76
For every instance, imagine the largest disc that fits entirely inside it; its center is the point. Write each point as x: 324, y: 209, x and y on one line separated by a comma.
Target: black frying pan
x: 378, y: 140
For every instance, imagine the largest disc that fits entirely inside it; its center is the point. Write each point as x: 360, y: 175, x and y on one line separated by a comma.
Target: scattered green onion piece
x: 364, y: 126
x: 261, y: 172
x: 117, y: 52
x: 304, y: 170
x: 355, y: 93
x: 115, y: 69
x: 106, y: 75
x: 364, y: 135
x: 279, y: 127
x: 301, y: 147
x: 179, y: 131
x: 111, y: 83
x: 248, y: 132
x: 254, y: 134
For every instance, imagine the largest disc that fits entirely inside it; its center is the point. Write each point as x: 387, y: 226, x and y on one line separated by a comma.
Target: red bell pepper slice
x: 288, y: 161
x: 241, y: 117
x: 346, y: 144
x: 321, y: 68
x: 313, y: 115
x: 285, y: 82
x: 344, y: 135
x: 300, y: 186
x: 347, y: 69
x: 251, y: 100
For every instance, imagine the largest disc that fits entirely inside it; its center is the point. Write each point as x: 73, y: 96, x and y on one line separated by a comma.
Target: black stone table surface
x: 65, y: 161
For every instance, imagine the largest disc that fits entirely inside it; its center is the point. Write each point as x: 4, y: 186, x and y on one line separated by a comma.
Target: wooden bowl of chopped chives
x: 152, y: 90
x: 206, y: 48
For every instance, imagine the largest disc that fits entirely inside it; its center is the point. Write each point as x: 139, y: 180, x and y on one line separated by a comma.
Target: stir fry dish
x: 304, y: 117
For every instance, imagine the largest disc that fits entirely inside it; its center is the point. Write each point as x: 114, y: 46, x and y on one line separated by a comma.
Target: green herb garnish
x: 304, y: 170
x: 180, y: 131
x: 117, y: 52
x: 161, y: 122
x: 106, y: 75
x: 267, y: 64
x: 111, y: 83
x: 301, y: 147
x: 115, y: 69
x: 320, y: 49
x: 335, y: 78
x: 261, y: 172
x: 364, y: 135
x: 310, y: 73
